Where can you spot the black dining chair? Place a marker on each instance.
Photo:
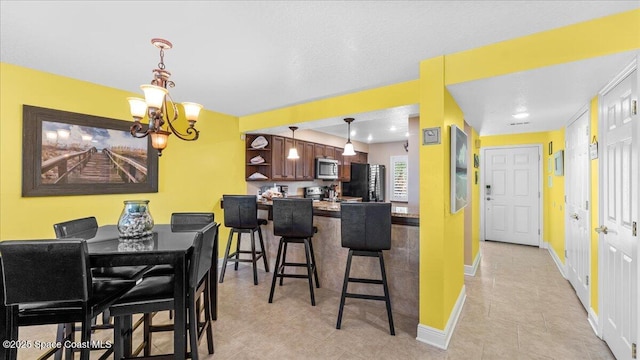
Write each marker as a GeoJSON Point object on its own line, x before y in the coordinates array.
{"type": "Point", "coordinates": [155, 293]}
{"type": "Point", "coordinates": [241, 215]}
{"type": "Point", "coordinates": [366, 231]}
{"type": "Point", "coordinates": [72, 227]}
{"type": "Point", "coordinates": [293, 222]}
{"type": "Point", "coordinates": [50, 282]}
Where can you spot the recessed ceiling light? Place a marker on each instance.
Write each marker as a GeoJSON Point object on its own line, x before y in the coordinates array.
{"type": "Point", "coordinates": [392, 128]}
{"type": "Point", "coordinates": [353, 133]}
{"type": "Point", "coordinates": [523, 115]}
{"type": "Point", "coordinates": [407, 134]}
{"type": "Point", "coordinates": [369, 138]}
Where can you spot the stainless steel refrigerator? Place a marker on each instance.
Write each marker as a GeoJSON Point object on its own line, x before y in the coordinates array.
{"type": "Point", "coordinates": [367, 182]}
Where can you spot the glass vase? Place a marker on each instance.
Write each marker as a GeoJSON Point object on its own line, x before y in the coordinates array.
{"type": "Point", "coordinates": [135, 220]}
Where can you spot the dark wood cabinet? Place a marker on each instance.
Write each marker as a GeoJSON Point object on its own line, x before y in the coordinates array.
{"type": "Point", "coordinates": [318, 150]}
{"type": "Point", "coordinates": [306, 164]}
{"type": "Point", "coordinates": [277, 167]}
{"type": "Point", "coordinates": [277, 158]}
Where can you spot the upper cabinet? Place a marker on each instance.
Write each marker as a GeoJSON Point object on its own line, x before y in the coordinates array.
{"type": "Point", "coordinates": [267, 159]}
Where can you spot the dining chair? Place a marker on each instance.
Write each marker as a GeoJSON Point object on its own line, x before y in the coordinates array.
{"type": "Point", "coordinates": [75, 226]}
{"type": "Point", "coordinates": [155, 293]}
{"type": "Point", "coordinates": [50, 282]}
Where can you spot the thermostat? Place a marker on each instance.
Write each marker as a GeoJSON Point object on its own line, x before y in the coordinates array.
{"type": "Point", "coordinates": [431, 136]}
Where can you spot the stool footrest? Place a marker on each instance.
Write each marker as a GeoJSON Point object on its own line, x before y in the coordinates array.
{"type": "Point", "coordinates": [367, 297]}
{"type": "Point", "coordinates": [366, 281]}
{"type": "Point", "coordinates": [297, 276]}
{"type": "Point", "coordinates": [295, 264]}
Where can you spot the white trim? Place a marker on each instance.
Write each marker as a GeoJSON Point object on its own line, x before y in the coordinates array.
{"type": "Point", "coordinates": [545, 244]}
{"type": "Point", "coordinates": [558, 262]}
{"type": "Point", "coordinates": [617, 79]}
{"type": "Point", "coordinates": [593, 321]}
{"type": "Point", "coordinates": [471, 269]}
{"type": "Point", "coordinates": [440, 338]}
{"type": "Point", "coordinates": [585, 110]}
{"type": "Point", "coordinates": [540, 187]}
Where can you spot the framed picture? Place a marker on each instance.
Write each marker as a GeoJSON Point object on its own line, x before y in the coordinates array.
{"type": "Point", "coordinates": [550, 147]}
{"type": "Point", "coordinates": [476, 177]}
{"type": "Point", "coordinates": [558, 161]}
{"type": "Point", "coordinates": [476, 161]}
{"type": "Point", "coordinates": [459, 160]}
{"type": "Point", "coordinates": [65, 153]}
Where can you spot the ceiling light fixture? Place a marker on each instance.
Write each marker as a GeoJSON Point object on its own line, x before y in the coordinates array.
{"type": "Point", "coordinates": [392, 128]}
{"type": "Point", "coordinates": [160, 108]}
{"type": "Point", "coordinates": [522, 115]}
{"type": "Point", "coordinates": [293, 152]}
{"type": "Point", "coordinates": [348, 147]}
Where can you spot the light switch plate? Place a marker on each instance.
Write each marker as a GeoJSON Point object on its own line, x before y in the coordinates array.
{"type": "Point", "coordinates": [431, 136]}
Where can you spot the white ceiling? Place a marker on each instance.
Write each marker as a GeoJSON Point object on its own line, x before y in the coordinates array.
{"type": "Point", "coordinates": [244, 57]}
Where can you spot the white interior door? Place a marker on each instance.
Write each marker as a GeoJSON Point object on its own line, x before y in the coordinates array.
{"type": "Point", "coordinates": [512, 195]}
{"type": "Point", "coordinates": [619, 209]}
{"type": "Point", "coordinates": [577, 188]}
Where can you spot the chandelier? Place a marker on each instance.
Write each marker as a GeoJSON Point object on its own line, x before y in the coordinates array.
{"type": "Point", "coordinates": [160, 108]}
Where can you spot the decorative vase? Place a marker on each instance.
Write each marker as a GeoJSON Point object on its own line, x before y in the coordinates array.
{"type": "Point", "coordinates": [135, 220]}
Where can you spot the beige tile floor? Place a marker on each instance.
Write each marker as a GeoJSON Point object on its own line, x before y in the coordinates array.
{"type": "Point", "coordinates": [518, 306]}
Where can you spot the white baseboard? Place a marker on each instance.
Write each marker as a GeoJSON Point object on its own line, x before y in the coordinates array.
{"type": "Point", "coordinates": [440, 338]}
{"type": "Point", "coordinates": [471, 269]}
{"type": "Point", "coordinates": [593, 321]}
{"type": "Point", "coordinates": [558, 262]}
{"type": "Point", "coordinates": [545, 244]}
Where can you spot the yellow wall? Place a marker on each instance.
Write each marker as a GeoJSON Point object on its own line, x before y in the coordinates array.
{"type": "Point", "coordinates": [384, 97]}
{"type": "Point", "coordinates": [555, 199]}
{"type": "Point", "coordinates": [598, 37]}
{"type": "Point", "coordinates": [192, 175]}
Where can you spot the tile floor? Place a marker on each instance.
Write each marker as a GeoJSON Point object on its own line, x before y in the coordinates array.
{"type": "Point", "coordinates": [518, 306]}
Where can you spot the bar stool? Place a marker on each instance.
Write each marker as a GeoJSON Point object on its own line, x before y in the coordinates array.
{"type": "Point", "coordinates": [366, 231]}
{"type": "Point", "coordinates": [241, 215]}
{"type": "Point", "coordinates": [293, 221]}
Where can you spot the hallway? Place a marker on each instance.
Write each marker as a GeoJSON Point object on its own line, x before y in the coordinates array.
{"type": "Point", "coordinates": [518, 306]}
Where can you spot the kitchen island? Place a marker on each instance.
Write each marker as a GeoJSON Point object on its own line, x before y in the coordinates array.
{"type": "Point", "coordinates": [401, 261]}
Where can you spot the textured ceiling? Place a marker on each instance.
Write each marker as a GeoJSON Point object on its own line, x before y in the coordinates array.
{"type": "Point", "coordinates": [244, 57]}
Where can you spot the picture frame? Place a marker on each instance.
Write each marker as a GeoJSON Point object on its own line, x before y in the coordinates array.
{"type": "Point", "coordinates": [558, 161]}
{"type": "Point", "coordinates": [476, 178]}
{"type": "Point", "coordinates": [550, 147]}
{"type": "Point", "coordinates": [67, 153]}
{"type": "Point", "coordinates": [476, 161]}
{"type": "Point", "coordinates": [459, 166]}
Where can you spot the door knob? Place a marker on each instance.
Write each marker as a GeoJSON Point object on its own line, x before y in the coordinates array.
{"type": "Point", "coordinates": [575, 216]}
{"type": "Point", "coordinates": [602, 229]}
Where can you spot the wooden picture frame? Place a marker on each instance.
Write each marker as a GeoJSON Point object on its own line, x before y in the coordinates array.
{"type": "Point", "coordinates": [550, 147]}
{"type": "Point", "coordinates": [66, 153]}
{"type": "Point", "coordinates": [476, 161]}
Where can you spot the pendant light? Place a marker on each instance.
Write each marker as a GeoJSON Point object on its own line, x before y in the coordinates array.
{"type": "Point", "coordinates": [293, 152]}
{"type": "Point", "coordinates": [348, 147]}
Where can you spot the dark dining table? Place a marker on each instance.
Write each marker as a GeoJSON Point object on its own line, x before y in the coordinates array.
{"type": "Point", "coordinates": [168, 244]}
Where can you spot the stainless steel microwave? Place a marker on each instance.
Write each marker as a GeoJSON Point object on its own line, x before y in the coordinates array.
{"type": "Point", "coordinates": [326, 169]}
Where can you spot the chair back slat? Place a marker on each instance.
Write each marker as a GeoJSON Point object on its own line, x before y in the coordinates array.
{"type": "Point", "coordinates": [45, 270]}
{"type": "Point", "coordinates": [192, 218]}
{"type": "Point", "coordinates": [366, 226]}
{"type": "Point", "coordinates": [240, 211]}
{"type": "Point", "coordinates": [71, 227]}
{"type": "Point", "coordinates": [293, 218]}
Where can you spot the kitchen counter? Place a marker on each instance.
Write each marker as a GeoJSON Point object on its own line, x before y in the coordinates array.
{"type": "Point", "coordinates": [401, 215]}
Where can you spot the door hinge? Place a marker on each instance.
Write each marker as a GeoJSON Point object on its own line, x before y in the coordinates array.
{"type": "Point", "coordinates": [538, 231]}
{"type": "Point", "coordinates": [633, 351]}
{"type": "Point", "coordinates": [586, 205]}
{"type": "Point", "coordinates": [565, 199]}
{"type": "Point", "coordinates": [587, 278]}
{"type": "Point", "coordinates": [634, 228]}
{"type": "Point", "coordinates": [634, 107]}
{"type": "Point", "coordinates": [565, 254]}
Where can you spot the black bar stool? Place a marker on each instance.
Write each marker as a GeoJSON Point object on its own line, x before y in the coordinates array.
{"type": "Point", "coordinates": [293, 221]}
{"type": "Point", "coordinates": [241, 215]}
{"type": "Point", "coordinates": [366, 231]}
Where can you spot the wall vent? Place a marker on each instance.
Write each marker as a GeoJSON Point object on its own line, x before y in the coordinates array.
{"type": "Point", "coordinates": [519, 123]}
